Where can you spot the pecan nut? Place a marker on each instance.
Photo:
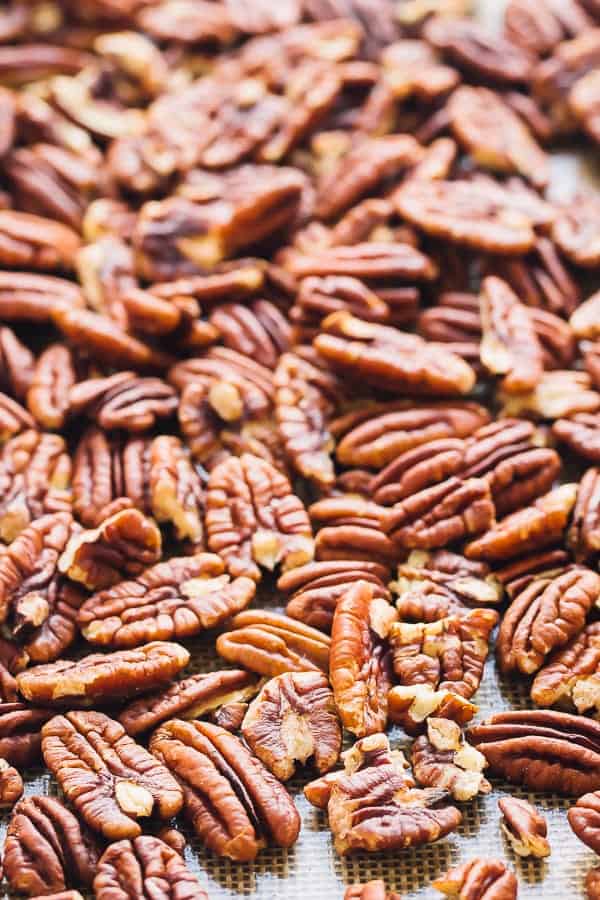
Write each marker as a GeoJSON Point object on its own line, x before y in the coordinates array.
{"type": "Point", "coordinates": [124, 401]}
{"type": "Point", "coordinates": [110, 780]}
{"type": "Point", "coordinates": [35, 242]}
{"type": "Point", "coordinates": [572, 674]}
{"type": "Point", "coordinates": [293, 718]}
{"type": "Point", "coordinates": [576, 232]}
{"type": "Point", "coordinates": [583, 537]}
{"type": "Point", "coordinates": [581, 433]}
{"type": "Point", "coordinates": [524, 826]}
{"type": "Point", "coordinates": [592, 884]}
{"type": "Point", "coordinates": [443, 759]}
{"type": "Point", "coordinates": [176, 491]}
{"type": "Point", "coordinates": [52, 379]}
{"type": "Point", "coordinates": [479, 879]}
{"type": "Point", "coordinates": [470, 47]}
{"type": "Point", "coordinates": [232, 801]}
{"type": "Point", "coordinates": [17, 365]}
{"type": "Point", "coordinates": [20, 739]}
{"type": "Point", "coordinates": [372, 890]}
{"type": "Point", "coordinates": [145, 862]}
{"type": "Point", "coordinates": [11, 785]}
{"type": "Point", "coordinates": [353, 530]}
{"type": "Point", "coordinates": [584, 819]}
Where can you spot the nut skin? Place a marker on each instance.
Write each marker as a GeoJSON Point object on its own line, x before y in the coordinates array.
{"type": "Point", "coordinates": [571, 677]}
{"type": "Point", "coordinates": [584, 819]}
{"type": "Point", "coordinates": [102, 678]}
{"type": "Point", "coordinates": [124, 401]}
{"type": "Point", "coordinates": [543, 750]}
{"type": "Point", "coordinates": [359, 662]}
{"type": "Point", "coordinates": [110, 780]}
{"type": "Point", "coordinates": [293, 718]}
{"type": "Point", "coordinates": [145, 862]}
{"type": "Point", "coordinates": [231, 800]}
{"type": "Point", "coordinates": [253, 518]}
{"type": "Point", "coordinates": [372, 890]}
{"type": "Point", "coordinates": [443, 759]}
{"type": "Point", "coordinates": [11, 785]}
{"type": "Point", "coordinates": [479, 879]}
{"type": "Point", "coordinates": [524, 826]}
{"type": "Point", "coordinates": [174, 599]}
{"type": "Point", "coordinates": [271, 644]}
{"type": "Point", "coordinates": [47, 849]}
{"type": "Point", "coordinates": [544, 616]}
{"type": "Point", "coordinates": [20, 739]}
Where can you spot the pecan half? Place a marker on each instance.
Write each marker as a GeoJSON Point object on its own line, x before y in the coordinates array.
{"type": "Point", "coordinates": [110, 780]}
{"type": "Point", "coordinates": [443, 759]}
{"type": "Point", "coordinates": [271, 644]}
{"type": "Point", "coordinates": [479, 879]}
{"type": "Point", "coordinates": [174, 599]}
{"type": "Point", "coordinates": [576, 231]}
{"type": "Point", "coordinates": [189, 699]}
{"type": "Point", "coordinates": [470, 47]}
{"type": "Point", "coordinates": [103, 677]}
{"type": "Point", "coordinates": [109, 474]}
{"type": "Point", "coordinates": [176, 491]}
{"type": "Point", "coordinates": [571, 677]}
{"type": "Point", "coordinates": [11, 785]}
{"type": "Point", "coordinates": [20, 739]}
{"type": "Point", "coordinates": [583, 537]}
{"type": "Point", "coordinates": [524, 826]}
{"type": "Point", "coordinates": [123, 401]}
{"type": "Point", "coordinates": [232, 801]}
{"type": "Point", "coordinates": [259, 331]}
{"type": "Point", "coordinates": [367, 260]}
{"type": "Point", "coordinates": [353, 530]}
{"type": "Point", "coordinates": [580, 433]}
{"type": "Point", "coordinates": [35, 242]}
{"type": "Point", "coordinates": [584, 819]}
{"type": "Point", "coordinates": [124, 544]}
{"type": "Point", "coordinates": [35, 298]}
{"type": "Point", "coordinates": [253, 518]}
{"type": "Point", "coordinates": [541, 278]}
{"type": "Point", "coordinates": [544, 750]}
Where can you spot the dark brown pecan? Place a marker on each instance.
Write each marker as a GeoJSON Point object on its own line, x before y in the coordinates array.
{"type": "Point", "coordinates": [524, 826]}
{"type": "Point", "coordinates": [571, 677]}
{"type": "Point", "coordinates": [47, 849]}
{"type": "Point", "coordinates": [124, 544]}
{"type": "Point", "coordinates": [17, 364]}
{"type": "Point", "coordinates": [583, 537]}
{"type": "Point", "coordinates": [109, 474]}
{"type": "Point", "coordinates": [584, 819]}
{"type": "Point", "coordinates": [537, 526]}
{"type": "Point", "coordinates": [34, 298]}
{"type": "Point", "coordinates": [52, 379]}
{"type": "Point", "coordinates": [293, 718]}
{"type": "Point", "coordinates": [11, 785]}
{"type": "Point", "coordinates": [371, 890]}
{"type": "Point", "coordinates": [576, 231]}
{"type": "Point", "coordinates": [271, 644]}
{"type": "Point", "coordinates": [379, 433]}
{"type": "Point", "coordinates": [253, 518]}
{"type": "Point", "coordinates": [544, 750]}
{"type": "Point", "coordinates": [479, 214]}
{"type": "Point", "coordinates": [174, 599]}
{"type": "Point", "coordinates": [258, 331]}
{"type": "Point", "coordinates": [102, 677]}
{"type": "Point", "coordinates": [123, 401]}
{"type": "Point", "coordinates": [391, 359]}
{"type": "Point", "coordinates": [110, 780]}
{"type": "Point", "coordinates": [541, 278]}
{"type": "Point", "coordinates": [35, 242]}
{"type": "Point", "coordinates": [479, 879]}
{"type": "Point", "coordinates": [470, 47]}
{"type": "Point", "coordinates": [495, 136]}
{"type": "Point", "coordinates": [545, 615]}
{"type": "Point", "coordinates": [316, 588]}
{"type": "Point", "coordinates": [366, 260]}
{"type": "Point", "coordinates": [443, 759]}
{"type": "Point", "coordinates": [188, 699]}
{"type": "Point", "coordinates": [232, 801]}
{"type": "Point", "coordinates": [359, 664]}
{"type": "Point", "coordinates": [145, 863]}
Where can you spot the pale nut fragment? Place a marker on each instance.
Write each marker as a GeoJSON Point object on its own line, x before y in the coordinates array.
{"type": "Point", "coordinates": [479, 879]}
{"type": "Point", "coordinates": [372, 890]}
{"type": "Point", "coordinates": [556, 395]}
{"type": "Point", "coordinates": [524, 826]}
{"type": "Point", "coordinates": [443, 759]}
{"type": "Point", "coordinates": [411, 705]}
{"type": "Point", "coordinates": [11, 785]}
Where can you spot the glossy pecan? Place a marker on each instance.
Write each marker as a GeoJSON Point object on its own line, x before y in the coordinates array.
{"type": "Point", "coordinates": [259, 331]}
{"type": "Point", "coordinates": [544, 616]}
{"type": "Point", "coordinates": [145, 862]}
{"type": "Point", "coordinates": [316, 588]}
{"type": "Point", "coordinates": [556, 395]}
{"type": "Point", "coordinates": [524, 826]}
{"type": "Point", "coordinates": [584, 819]}
{"type": "Point", "coordinates": [293, 718]}
{"type": "Point", "coordinates": [351, 528]}
{"type": "Point", "coordinates": [479, 879]}
{"type": "Point", "coordinates": [188, 699]}
{"type": "Point", "coordinates": [17, 364]}
{"type": "Point", "coordinates": [271, 644]}
{"type": "Point", "coordinates": [443, 759]}
{"type": "Point", "coordinates": [583, 536]}
{"type": "Point", "coordinates": [390, 359]}
{"type": "Point", "coordinates": [231, 800]}
{"type": "Point", "coordinates": [103, 677]}
{"type": "Point", "coordinates": [317, 298]}
{"type": "Point", "coordinates": [124, 544]}
{"type": "Point", "coordinates": [174, 599]}
{"type": "Point", "coordinates": [35, 471]}
{"type": "Point", "coordinates": [254, 519]}
{"type": "Point", "coordinates": [47, 849]}
{"type": "Point", "coordinates": [580, 433]}
{"type": "Point", "coordinates": [123, 401]}
{"type": "Point", "coordinates": [48, 394]}
{"type": "Point", "coordinates": [35, 242]}
{"type": "Point", "coordinates": [110, 780]}
{"type": "Point", "coordinates": [537, 526]}
{"type": "Point", "coordinates": [576, 232]}
{"type": "Point", "coordinates": [544, 750]}
{"type": "Point", "coordinates": [571, 677]}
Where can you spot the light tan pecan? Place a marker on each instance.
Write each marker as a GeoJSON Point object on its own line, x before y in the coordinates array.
{"type": "Point", "coordinates": [524, 826]}
{"type": "Point", "coordinates": [232, 801]}
{"type": "Point", "coordinates": [571, 677]}
{"type": "Point", "coordinates": [443, 759]}
{"type": "Point", "coordinates": [479, 879]}
{"type": "Point", "coordinates": [353, 529]}
{"type": "Point", "coordinates": [592, 884]}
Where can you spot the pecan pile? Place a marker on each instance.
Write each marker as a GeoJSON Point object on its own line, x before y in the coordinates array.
{"type": "Point", "coordinates": [299, 372]}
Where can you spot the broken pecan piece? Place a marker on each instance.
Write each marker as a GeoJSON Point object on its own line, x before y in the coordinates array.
{"type": "Point", "coordinates": [584, 819]}
{"type": "Point", "coordinates": [253, 518]}
{"type": "Point", "coordinates": [470, 47]}
{"type": "Point", "coordinates": [52, 379]}
{"type": "Point", "coordinates": [123, 401]}
{"type": "Point", "coordinates": [557, 394]}
{"type": "Point", "coordinates": [294, 717]}
{"type": "Point", "coordinates": [148, 863]}
{"type": "Point", "coordinates": [524, 826]}
{"type": "Point", "coordinates": [271, 644]}
{"type": "Point", "coordinates": [443, 759]}
{"type": "Point", "coordinates": [232, 801]}
{"type": "Point", "coordinates": [580, 433]}
{"type": "Point", "coordinates": [371, 890]}
{"type": "Point", "coordinates": [47, 849]}
{"type": "Point", "coordinates": [11, 785]}
{"type": "Point", "coordinates": [576, 230]}
{"type": "Point", "coordinates": [479, 879]}
{"type": "Point", "coordinates": [176, 491]}
{"type": "Point", "coordinates": [544, 750]}
{"type": "Point", "coordinates": [571, 677]}
{"type": "Point", "coordinates": [103, 677]}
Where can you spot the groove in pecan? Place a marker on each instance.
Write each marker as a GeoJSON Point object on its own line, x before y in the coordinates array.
{"type": "Point", "coordinates": [524, 826]}
{"type": "Point", "coordinates": [479, 879]}
{"type": "Point", "coordinates": [443, 759]}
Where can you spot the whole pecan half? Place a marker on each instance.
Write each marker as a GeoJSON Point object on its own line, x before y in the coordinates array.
{"type": "Point", "coordinates": [253, 518]}
{"type": "Point", "coordinates": [124, 544]}
{"type": "Point", "coordinates": [443, 759]}
{"type": "Point", "coordinates": [541, 278]}
{"type": "Point", "coordinates": [189, 699]}
{"type": "Point", "coordinates": [103, 677]}
{"type": "Point", "coordinates": [583, 537]}
{"type": "Point", "coordinates": [584, 819]}
{"type": "Point", "coordinates": [110, 780]}
{"type": "Point", "coordinates": [576, 231]}
{"type": "Point", "coordinates": [124, 401]}
{"type": "Point", "coordinates": [11, 785]}
{"type": "Point", "coordinates": [524, 826]}
{"type": "Point", "coordinates": [109, 474]}
{"type": "Point", "coordinates": [271, 644]}
{"type": "Point", "coordinates": [20, 739]}
{"type": "Point", "coordinates": [52, 379]}
{"type": "Point", "coordinates": [232, 801]}
{"type": "Point", "coordinates": [35, 242]}
{"type": "Point", "coordinates": [294, 717]}
{"type": "Point", "coordinates": [259, 331]}
{"type": "Point", "coordinates": [479, 879]}
{"type": "Point", "coordinates": [543, 750]}
{"type": "Point", "coordinates": [371, 890]}
{"type": "Point", "coordinates": [581, 433]}
{"type": "Point", "coordinates": [176, 491]}
{"type": "Point", "coordinates": [359, 662]}
{"type": "Point", "coordinates": [368, 260]}
{"type": "Point", "coordinates": [174, 599]}
{"type": "Point", "coordinates": [473, 49]}
{"type": "Point", "coordinates": [47, 849]}
{"type": "Point", "coordinates": [572, 674]}
{"type": "Point", "coordinates": [17, 364]}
